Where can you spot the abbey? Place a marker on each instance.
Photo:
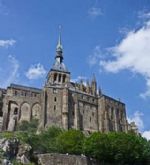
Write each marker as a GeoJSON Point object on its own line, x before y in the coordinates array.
{"type": "Point", "coordinates": [62, 103]}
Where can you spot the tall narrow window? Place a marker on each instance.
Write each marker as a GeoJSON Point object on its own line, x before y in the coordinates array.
{"type": "Point", "coordinates": [54, 108]}
{"type": "Point", "coordinates": [16, 92]}
{"type": "Point", "coordinates": [64, 78]}
{"type": "Point", "coordinates": [55, 77]}
{"type": "Point", "coordinates": [15, 111]}
{"type": "Point", "coordinates": [59, 77]}
{"type": "Point", "coordinates": [90, 119]}
{"type": "Point", "coordinates": [55, 99]}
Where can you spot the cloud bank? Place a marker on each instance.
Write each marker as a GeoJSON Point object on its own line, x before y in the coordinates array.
{"type": "Point", "coordinates": [132, 54]}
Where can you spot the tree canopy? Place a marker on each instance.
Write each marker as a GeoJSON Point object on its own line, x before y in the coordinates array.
{"type": "Point", "coordinates": [114, 147]}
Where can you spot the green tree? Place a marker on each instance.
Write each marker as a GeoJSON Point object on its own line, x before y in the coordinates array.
{"type": "Point", "coordinates": [27, 126]}
{"type": "Point", "coordinates": [97, 145]}
{"type": "Point", "coordinates": [70, 142]}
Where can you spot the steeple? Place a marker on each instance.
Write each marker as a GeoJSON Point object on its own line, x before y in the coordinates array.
{"type": "Point", "coordinates": [58, 74]}
{"type": "Point", "coordinates": [58, 64]}
{"type": "Point", "coordinates": [59, 48]}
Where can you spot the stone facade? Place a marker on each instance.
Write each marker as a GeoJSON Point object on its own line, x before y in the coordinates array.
{"type": "Point", "coordinates": [62, 103]}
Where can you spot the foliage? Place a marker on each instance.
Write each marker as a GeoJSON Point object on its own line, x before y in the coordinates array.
{"type": "Point", "coordinates": [7, 135]}
{"type": "Point", "coordinates": [97, 146]}
{"type": "Point", "coordinates": [118, 148]}
{"type": "Point", "coordinates": [45, 141]}
{"type": "Point", "coordinates": [70, 142]}
{"type": "Point", "coordinates": [28, 126]}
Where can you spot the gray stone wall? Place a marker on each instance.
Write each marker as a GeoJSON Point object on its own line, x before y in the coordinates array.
{"type": "Point", "coordinates": [53, 106]}
{"type": "Point", "coordinates": [20, 104]}
{"type": "Point", "coordinates": [112, 115]}
{"type": "Point", "coordinates": [62, 159]}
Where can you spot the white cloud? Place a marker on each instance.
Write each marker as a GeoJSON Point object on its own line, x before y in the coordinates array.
{"type": "Point", "coordinates": [137, 118]}
{"type": "Point", "coordinates": [146, 134]}
{"type": "Point", "coordinates": [95, 56]}
{"type": "Point", "coordinates": [133, 54]}
{"type": "Point", "coordinates": [144, 14]}
{"type": "Point", "coordinates": [35, 72]}
{"type": "Point", "coordinates": [95, 12]}
{"type": "Point", "coordinates": [7, 43]}
{"type": "Point", "coordinates": [10, 74]}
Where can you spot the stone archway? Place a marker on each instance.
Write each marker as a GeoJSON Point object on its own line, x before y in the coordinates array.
{"type": "Point", "coordinates": [25, 112]}
{"type": "Point", "coordinates": [36, 111]}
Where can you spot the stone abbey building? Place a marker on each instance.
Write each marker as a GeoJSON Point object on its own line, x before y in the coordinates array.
{"type": "Point", "coordinates": [62, 103]}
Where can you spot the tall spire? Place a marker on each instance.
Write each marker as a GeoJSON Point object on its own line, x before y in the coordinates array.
{"type": "Point", "coordinates": [59, 47]}
{"type": "Point", "coordinates": [58, 64]}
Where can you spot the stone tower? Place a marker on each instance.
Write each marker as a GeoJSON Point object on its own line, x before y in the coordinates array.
{"type": "Point", "coordinates": [55, 92]}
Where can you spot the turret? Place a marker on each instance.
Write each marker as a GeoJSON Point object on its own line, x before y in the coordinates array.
{"type": "Point", "coordinates": [94, 85]}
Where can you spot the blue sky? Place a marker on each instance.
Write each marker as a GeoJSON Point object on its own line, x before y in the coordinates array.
{"type": "Point", "coordinates": [106, 37]}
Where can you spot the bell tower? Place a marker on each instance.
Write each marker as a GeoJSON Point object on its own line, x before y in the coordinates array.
{"type": "Point", "coordinates": [58, 74]}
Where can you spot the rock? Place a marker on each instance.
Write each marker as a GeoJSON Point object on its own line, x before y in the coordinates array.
{"type": "Point", "coordinates": [13, 149]}
{"type": "Point", "coordinates": [23, 155]}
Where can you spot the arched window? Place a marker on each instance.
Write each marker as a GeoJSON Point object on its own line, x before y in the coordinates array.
{"type": "Point", "coordinates": [55, 77]}
{"type": "Point", "coordinates": [16, 111]}
{"type": "Point", "coordinates": [59, 78]}
{"type": "Point", "coordinates": [64, 78]}
{"type": "Point", "coordinates": [55, 99]}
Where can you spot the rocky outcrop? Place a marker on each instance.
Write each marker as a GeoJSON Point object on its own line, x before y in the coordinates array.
{"type": "Point", "coordinates": [13, 149]}
{"type": "Point", "coordinates": [64, 159]}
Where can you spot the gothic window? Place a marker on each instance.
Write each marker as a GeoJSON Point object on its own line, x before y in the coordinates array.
{"type": "Point", "coordinates": [54, 107]}
{"type": "Point", "coordinates": [36, 111]}
{"type": "Point", "coordinates": [55, 99]}
{"type": "Point", "coordinates": [16, 92]}
{"type": "Point", "coordinates": [25, 112]}
{"type": "Point", "coordinates": [90, 119]}
{"type": "Point", "coordinates": [55, 77]}
{"type": "Point", "coordinates": [93, 114]}
{"type": "Point", "coordinates": [117, 113]}
{"type": "Point", "coordinates": [59, 78]}
{"type": "Point", "coordinates": [112, 112]}
{"type": "Point", "coordinates": [64, 78]}
{"type": "Point", "coordinates": [1, 113]}
{"type": "Point", "coordinates": [15, 111]}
